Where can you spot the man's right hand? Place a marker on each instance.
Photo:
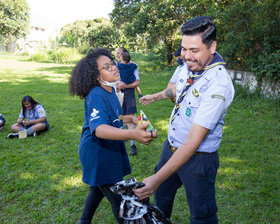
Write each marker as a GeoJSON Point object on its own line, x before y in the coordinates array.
{"type": "Point", "coordinates": [145, 100]}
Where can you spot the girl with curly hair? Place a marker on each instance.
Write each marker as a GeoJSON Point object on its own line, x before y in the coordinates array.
{"type": "Point", "coordinates": [102, 150]}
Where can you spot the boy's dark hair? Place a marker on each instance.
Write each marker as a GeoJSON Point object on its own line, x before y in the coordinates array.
{"type": "Point", "coordinates": [201, 25]}
{"type": "Point", "coordinates": [126, 57]}
{"type": "Point", "coordinates": [29, 99]}
{"type": "Point", "coordinates": [85, 74]}
{"type": "Point", "coordinates": [123, 49]}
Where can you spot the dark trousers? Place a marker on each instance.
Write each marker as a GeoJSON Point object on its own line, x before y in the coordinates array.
{"type": "Point", "coordinates": [198, 176]}
{"type": "Point", "coordinates": [95, 196]}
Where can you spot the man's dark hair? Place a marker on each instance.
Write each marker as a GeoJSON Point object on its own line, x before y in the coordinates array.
{"type": "Point", "coordinates": [201, 25]}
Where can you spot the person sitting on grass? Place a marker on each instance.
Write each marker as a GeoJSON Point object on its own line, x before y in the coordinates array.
{"type": "Point", "coordinates": [2, 122]}
{"type": "Point", "coordinates": [32, 118]}
{"type": "Point", "coordinates": [102, 148]}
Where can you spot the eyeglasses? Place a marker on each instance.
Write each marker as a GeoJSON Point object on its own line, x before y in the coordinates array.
{"type": "Point", "coordinates": [109, 66]}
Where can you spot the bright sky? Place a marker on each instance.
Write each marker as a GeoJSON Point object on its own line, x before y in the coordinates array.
{"type": "Point", "coordinates": [54, 14]}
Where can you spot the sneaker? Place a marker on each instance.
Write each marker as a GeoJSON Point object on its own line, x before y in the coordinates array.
{"type": "Point", "coordinates": [133, 150]}
{"type": "Point", "coordinates": [13, 135]}
{"type": "Point", "coordinates": [35, 134]}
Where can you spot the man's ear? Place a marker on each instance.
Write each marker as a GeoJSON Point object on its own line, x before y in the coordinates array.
{"type": "Point", "coordinates": [213, 47]}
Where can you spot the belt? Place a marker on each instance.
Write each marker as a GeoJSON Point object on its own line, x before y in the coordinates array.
{"type": "Point", "coordinates": [173, 149]}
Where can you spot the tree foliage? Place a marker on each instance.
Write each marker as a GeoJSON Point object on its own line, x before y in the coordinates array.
{"type": "Point", "coordinates": [158, 22]}
{"type": "Point", "coordinates": [248, 31]}
{"type": "Point", "coordinates": [95, 33]}
{"type": "Point", "coordinates": [14, 20]}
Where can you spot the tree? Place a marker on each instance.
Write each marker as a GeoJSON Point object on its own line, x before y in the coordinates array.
{"type": "Point", "coordinates": [158, 22]}
{"type": "Point", "coordinates": [14, 20]}
{"type": "Point", "coordinates": [95, 33]}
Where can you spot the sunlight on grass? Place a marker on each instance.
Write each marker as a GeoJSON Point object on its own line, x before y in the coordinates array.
{"type": "Point", "coordinates": [162, 124]}
{"type": "Point", "coordinates": [27, 176]}
{"type": "Point", "coordinates": [73, 181]}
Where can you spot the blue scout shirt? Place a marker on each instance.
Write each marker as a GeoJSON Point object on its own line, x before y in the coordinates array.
{"type": "Point", "coordinates": [37, 112]}
{"type": "Point", "coordinates": [205, 104]}
{"type": "Point", "coordinates": [127, 72]}
{"type": "Point", "coordinates": [103, 161]}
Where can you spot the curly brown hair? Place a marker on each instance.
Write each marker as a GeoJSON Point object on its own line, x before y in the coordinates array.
{"type": "Point", "coordinates": [85, 74]}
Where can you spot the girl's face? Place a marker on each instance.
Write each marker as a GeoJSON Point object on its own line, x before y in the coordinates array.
{"type": "Point", "coordinates": [119, 54]}
{"type": "Point", "coordinates": [107, 69]}
{"type": "Point", "coordinates": [27, 105]}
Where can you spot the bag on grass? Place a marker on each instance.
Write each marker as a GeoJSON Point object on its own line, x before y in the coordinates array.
{"type": "Point", "coordinates": [134, 211]}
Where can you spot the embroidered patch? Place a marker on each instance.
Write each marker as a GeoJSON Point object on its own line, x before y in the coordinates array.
{"type": "Point", "coordinates": [195, 93]}
{"type": "Point", "coordinates": [218, 97]}
{"type": "Point", "coordinates": [120, 117]}
{"type": "Point", "coordinates": [94, 114]}
{"type": "Point", "coordinates": [188, 112]}
{"type": "Point", "coordinates": [204, 87]}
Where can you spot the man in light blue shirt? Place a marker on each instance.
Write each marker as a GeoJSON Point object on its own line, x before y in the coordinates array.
{"type": "Point", "coordinates": [189, 156]}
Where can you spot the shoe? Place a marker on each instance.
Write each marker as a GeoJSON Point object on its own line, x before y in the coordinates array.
{"type": "Point", "coordinates": [35, 134]}
{"type": "Point", "coordinates": [140, 95]}
{"type": "Point", "coordinates": [13, 135]}
{"type": "Point", "coordinates": [133, 150]}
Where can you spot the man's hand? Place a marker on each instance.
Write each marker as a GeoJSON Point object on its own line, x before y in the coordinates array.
{"type": "Point", "coordinates": [145, 100]}
{"type": "Point", "coordinates": [151, 184]}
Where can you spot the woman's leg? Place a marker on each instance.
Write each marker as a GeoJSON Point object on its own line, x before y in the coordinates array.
{"type": "Point", "coordinates": [94, 198]}
{"type": "Point", "coordinates": [114, 199]}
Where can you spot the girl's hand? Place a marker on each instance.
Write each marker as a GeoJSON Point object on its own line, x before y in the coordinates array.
{"type": "Point", "coordinates": [25, 123]}
{"type": "Point", "coordinates": [20, 121]}
{"type": "Point", "coordinates": [144, 137]}
{"type": "Point", "coordinates": [120, 85]}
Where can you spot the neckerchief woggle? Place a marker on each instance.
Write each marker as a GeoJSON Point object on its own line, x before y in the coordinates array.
{"type": "Point", "coordinates": [217, 60]}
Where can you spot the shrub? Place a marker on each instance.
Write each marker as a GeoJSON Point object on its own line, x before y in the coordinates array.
{"type": "Point", "coordinates": [39, 56]}
{"type": "Point", "coordinates": [64, 55]}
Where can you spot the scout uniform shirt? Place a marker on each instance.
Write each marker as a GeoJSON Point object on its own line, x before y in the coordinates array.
{"type": "Point", "coordinates": [205, 104]}
{"type": "Point", "coordinates": [180, 78]}
{"type": "Point", "coordinates": [104, 161]}
{"type": "Point", "coordinates": [37, 112]}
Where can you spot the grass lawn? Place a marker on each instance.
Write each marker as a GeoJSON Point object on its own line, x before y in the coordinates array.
{"type": "Point", "coordinates": [40, 178]}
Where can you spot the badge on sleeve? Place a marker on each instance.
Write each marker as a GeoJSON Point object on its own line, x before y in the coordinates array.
{"type": "Point", "coordinates": [94, 114]}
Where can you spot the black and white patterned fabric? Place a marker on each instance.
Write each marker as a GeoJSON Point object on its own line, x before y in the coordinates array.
{"type": "Point", "coordinates": [134, 211]}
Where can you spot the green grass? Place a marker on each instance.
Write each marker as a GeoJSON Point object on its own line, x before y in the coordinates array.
{"type": "Point", "coordinates": [40, 178]}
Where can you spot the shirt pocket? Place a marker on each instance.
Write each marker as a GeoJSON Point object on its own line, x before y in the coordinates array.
{"type": "Point", "coordinates": [191, 105]}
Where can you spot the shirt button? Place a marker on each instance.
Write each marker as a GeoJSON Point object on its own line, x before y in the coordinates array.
{"type": "Point", "coordinates": [173, 129]}
{"type": "Point", "coordinates": [172, 142]}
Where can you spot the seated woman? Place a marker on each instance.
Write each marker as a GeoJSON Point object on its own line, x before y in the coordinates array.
{"type": "Point", "coordinates": [2, 122]}
{"type": "Point", "coordinates": [32, 118]}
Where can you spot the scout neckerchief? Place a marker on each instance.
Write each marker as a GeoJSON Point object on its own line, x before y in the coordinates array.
{"type": "Point", "coordinates": [217, 60]}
